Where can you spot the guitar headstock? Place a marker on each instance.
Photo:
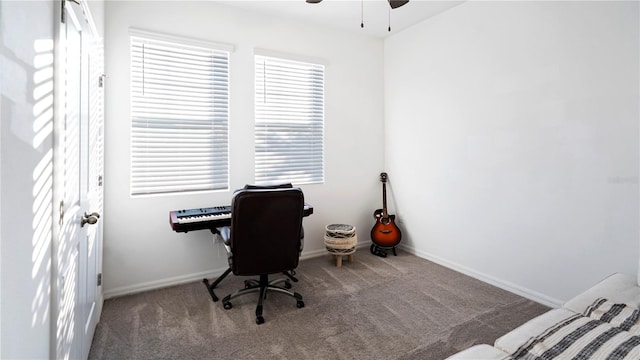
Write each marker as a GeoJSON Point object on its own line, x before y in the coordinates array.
{"type": "Point", "coordinates": [383, 177]}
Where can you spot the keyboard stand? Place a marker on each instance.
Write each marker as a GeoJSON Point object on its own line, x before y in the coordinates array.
{"type": "Point", "coordinates": [291, 275]}
{"type": "Point", "coordinates": [212, 286]}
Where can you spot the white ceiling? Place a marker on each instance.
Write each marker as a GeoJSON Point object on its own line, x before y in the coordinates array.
{"type": "Point", "coordinates": [346, 14]}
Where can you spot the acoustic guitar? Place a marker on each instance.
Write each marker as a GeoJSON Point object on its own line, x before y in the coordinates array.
{"type": "Point", "coordinates": [385, 233]}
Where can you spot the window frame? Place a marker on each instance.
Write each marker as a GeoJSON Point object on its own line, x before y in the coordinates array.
{"type": "Point", "coordinates": [213, 111]}
{"type": "Point", "coordinates": [304, 107]}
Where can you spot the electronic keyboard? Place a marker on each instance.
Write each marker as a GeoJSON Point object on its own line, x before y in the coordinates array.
{"type": "Point", "coordinates": [208, 218]}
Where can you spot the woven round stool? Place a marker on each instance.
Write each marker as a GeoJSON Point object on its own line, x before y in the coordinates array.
{"type": "Point", "coordinates": [340, 240]}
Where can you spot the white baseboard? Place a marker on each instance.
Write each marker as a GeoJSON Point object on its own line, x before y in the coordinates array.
{"type": "Point", "coordinates": [178, 280]}
{"type": "Point", "coordinates": [312, 254]}
{"type": "Point", "coordinates": [162, 283]}
{"type": "Point", "coordinates": [505, 285]}
{"type": "Point", "coordinates": [316, 253]}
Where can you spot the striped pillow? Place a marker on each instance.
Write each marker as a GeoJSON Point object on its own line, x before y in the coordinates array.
{"type": "Point", "coordinates": [622, 316]}
{"type": "Point", "coordinates": [580, 337]}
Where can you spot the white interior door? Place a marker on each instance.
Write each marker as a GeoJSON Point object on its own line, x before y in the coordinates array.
{"type": "Point", "coordinates": [94, 162]}
{"type": "Point", "coordinates": [79, 158]}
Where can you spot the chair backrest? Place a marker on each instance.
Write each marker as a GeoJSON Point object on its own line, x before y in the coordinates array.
{"type": "Point", "coordinates": [265, 230]}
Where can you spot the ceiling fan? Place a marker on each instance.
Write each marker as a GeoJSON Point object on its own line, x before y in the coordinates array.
{"type": "Point", "coordinates": [393, 3]}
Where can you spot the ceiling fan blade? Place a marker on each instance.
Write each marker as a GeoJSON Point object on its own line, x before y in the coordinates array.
{"type": "Point", "coordinates": [313, 1]}
{"type": "Point", "coordinates": [397, 3]}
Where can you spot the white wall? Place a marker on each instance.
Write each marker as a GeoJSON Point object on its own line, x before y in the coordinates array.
{"type": "Point", "coordinates": [512, 139]}
{"type": "Point", "coordinates": [26, 89]}
{"type": "Point", "coordinates": [96, 9]}
{"type": "Point", "coordinates": [140, 250]}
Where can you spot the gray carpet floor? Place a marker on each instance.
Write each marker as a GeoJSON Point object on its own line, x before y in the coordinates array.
{"type": "Point", "coordinates": [399, 307]}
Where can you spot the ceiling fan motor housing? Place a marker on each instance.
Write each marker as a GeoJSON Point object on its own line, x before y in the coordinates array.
{"type": "Point", "coordinates": [397, 3]}
{"type": "Point", "coordinates": [393, 3]}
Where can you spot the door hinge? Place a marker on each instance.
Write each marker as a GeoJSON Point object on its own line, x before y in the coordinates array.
{"type": "Point", "coordinates": [103, 78]}
{"type": "Point", "coordinates": [63, 3]}
{"type": "Point", "coordinates": [100, 180]}
{"type": "Point", "coordinates": [100, 279]}
{"type": "Point", "coordinates": [61, 219]}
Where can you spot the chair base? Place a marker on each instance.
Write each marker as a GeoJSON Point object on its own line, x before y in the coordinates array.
{"type": "Point", "coordinates": [262, 286]}
{"type": "Point", "coordinates": [290, 274]}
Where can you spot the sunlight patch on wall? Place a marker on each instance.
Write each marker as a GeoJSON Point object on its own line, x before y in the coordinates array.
{"type": "Point", "coordinates": [43, 91]}
{"type": "Point", "coordinates": [42, 179]}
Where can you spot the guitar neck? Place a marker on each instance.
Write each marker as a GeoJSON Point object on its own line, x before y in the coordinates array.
{"type": "Point", "coordinates": [384, 201]}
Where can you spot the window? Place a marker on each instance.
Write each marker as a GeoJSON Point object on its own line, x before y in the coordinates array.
{"type": "Point", "coordinates": [179, 115]}
{"type": "Point", "coordinates": [289, 121]}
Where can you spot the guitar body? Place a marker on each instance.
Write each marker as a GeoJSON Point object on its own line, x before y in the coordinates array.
{"type": "Point", "coordinates": [385, 232]}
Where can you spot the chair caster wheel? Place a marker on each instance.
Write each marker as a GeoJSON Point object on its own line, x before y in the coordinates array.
{"type": "Point", "coordinates": [287, 285]}
{"type": "Point", "coordinates": [259, 320]}
{"type": "Point", "coordinates": [227, 305]}
{"type": "Point", "coordinates": [300, 304]}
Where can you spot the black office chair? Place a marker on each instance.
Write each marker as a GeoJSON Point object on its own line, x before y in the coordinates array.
{"type": "Point", "coordinates": [265, 238]}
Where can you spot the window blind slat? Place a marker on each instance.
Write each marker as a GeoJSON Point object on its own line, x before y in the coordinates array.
{"type": "Point", "coordinates": [179, 117]}
{"type": "Point", "coordinates": [289, 115]}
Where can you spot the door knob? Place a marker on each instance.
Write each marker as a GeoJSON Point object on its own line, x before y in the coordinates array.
{"type": "Point", "coordinates": [89, 219]}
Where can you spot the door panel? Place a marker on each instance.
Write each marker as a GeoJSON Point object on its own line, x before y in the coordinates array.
{"type": "Point", "coordinates": [79, 155]}
{"type": "Point", "coordinates": [95, 161]}
{"type": "Point", "coordinates": [69, 342]}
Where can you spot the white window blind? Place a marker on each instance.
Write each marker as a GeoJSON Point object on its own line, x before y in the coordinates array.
{"type": "Point", "coordinates": [179, 117]}
{"type": "Point", "coordinates": [289, 121]}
